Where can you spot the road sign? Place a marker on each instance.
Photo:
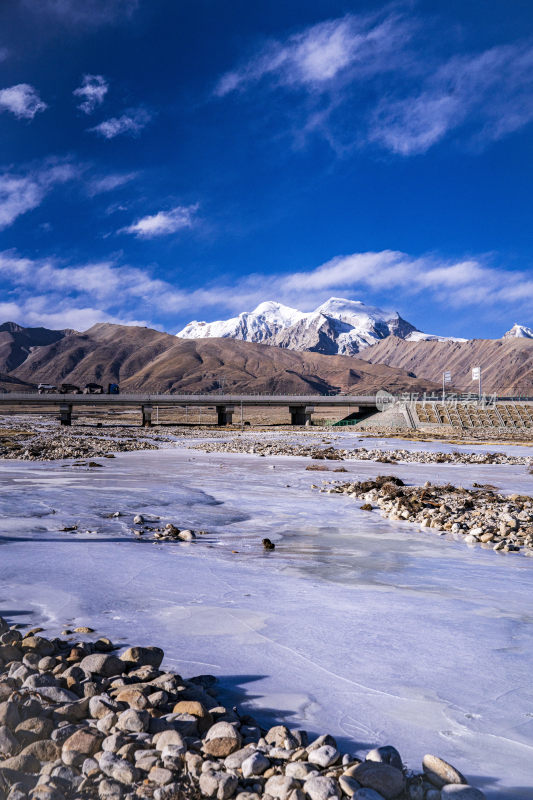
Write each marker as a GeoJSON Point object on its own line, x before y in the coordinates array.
{"type": "Point", "coordinates": [476, 373]}
{"type": "Point", "coordinates": [447, 377]}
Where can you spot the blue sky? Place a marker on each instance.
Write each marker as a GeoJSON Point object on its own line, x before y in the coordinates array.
{"type": "Point", "coordinates": [163, 161]}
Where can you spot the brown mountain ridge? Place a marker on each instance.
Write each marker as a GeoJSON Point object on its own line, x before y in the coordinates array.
{"type": "Point", "coordinates": [142, 359]}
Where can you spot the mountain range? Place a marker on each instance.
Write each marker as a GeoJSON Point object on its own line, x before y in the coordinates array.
{"type": "Point", "coordinates": [142, 359]}
{"type": "Point", "coordinates": [343, 345]}
{"type": "Point", "coordinates": [338, 326]}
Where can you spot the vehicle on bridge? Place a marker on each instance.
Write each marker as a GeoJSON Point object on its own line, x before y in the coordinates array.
{"type": "Point", "coordinates": [69, 388]}
{"type": "Point", "coordinates": [46, 388]}
{"type": "Point", "coordinates": [113, 388]}
{"type": "Point", "coordinates": [93, 388]}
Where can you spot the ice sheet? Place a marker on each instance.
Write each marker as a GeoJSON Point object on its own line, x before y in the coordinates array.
{"type": "Point", "coordinates": [372, 630]}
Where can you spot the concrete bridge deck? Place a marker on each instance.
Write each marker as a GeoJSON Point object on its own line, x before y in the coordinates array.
{"type": "Point", "coordinates": [300, 407]}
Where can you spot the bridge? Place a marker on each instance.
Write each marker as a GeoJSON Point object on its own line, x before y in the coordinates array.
{"type": "Point", "coordinates": [301, 407]}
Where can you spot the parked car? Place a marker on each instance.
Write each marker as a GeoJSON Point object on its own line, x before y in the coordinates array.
{"type": "Point", "coordinates": [46, 388]}
{"type": "Point", "coordinates": [113, 388]}
{"type": "Point", "coordinates": [93, 388]}
{"type": "Point", "coordinates": [69, 388]}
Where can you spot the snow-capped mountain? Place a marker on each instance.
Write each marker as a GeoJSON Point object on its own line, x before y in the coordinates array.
{"type": "Point", "coordinates": [519, 331]}
{"type": "Point", "coordinates": [337, 326]}
{"type": "Point", "coordinates": [418, 336]}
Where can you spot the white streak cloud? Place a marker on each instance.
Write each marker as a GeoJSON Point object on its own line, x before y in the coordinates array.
{"type": "Point", "coordinates": [108, 183]}
{"type": "Point", "coordinates": [164, 222]}
{"type": "Point", "coordinates": [92, 92]}
{"type": "Point", "coordinates": [20, 193]}
{"type": "Point", "coordinates": [21, 100]}
{"type": "Point", "coordinates": [131, 123]}
{"type": "Point", "coordinates": [367, 80]}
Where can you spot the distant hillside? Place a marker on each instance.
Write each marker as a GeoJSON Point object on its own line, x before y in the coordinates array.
{"type": "Point", "coordinates": [145, 359]}
{"type": "Point", "coordinates": [507, 364]}
{"type": "Point", "coordinates": [16, 343]}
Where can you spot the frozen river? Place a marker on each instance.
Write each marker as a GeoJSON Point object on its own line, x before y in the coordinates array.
{"type": "Point", "coordinates": [372, 630]}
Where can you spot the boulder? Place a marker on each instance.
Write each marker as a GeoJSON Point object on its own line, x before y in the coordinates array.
{"type": "Point", "coordinates": [135, 657]}
{"type": "Point", "coordinates": [383, 778]}
{"type": "Point", "coordinates": [439, 772]}
{"type": "Point", "coordinates": [318, 787]}
{"type": "Point", "coordinates": [103, 664]}
{"type": "Point", "coordinates": [221, 739]}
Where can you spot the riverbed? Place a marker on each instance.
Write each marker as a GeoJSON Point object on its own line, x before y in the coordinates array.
{"type": "Point", "coordinates": [375, 631]}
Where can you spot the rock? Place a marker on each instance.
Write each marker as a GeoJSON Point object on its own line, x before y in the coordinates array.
{"type": "Point", "coordinates": [38, 645]}
{"type": "Point", "coordinates": [280, 786]}
{"type": "Point", "coordinates": [324, 756]}
{"type": "Point", "coordinates": [100, 705]}
{"type": "Point", "coordinates": [221, 739]}
{"type": "Point", "coordinates": [350, 785]}
{"type": "Point", "coordinates": [102, 664]}
{"type": "Point", "coordinates": [186, 536]}
{"type": "Point", "coordinates": [9, 714]}
{"type": "Point", "coordinates": [170, 737]}
{"type": "Point", "coordinates": [83, 744]}
{"type": "Point", "coordinates": [133, 697]}
{"type": "Point", "coordinates": [135, 657]}
{"type": "Point", "coordinates": [58, 695]}
{"type": "Point", "coordinates": [318, 787]}
{"type": "Point", "coordinates": [321, 741]}
{"type": "Point", "coordinates": [195, 709]}
{"type": "Point", "coordinates": [383, 778]}
{"type": "Point", "coordinates": [138, 519]}
{"type": "Point", "coordinates": [235, 760]}
{"type": "Point", "coordinates": [44, 750]}
{"type": "Point", "coordinates": [461, 792]}
{"type": "Point", "coordinates": [214, 783]}
{"type": "Point", "coordinates": [160, 775]}
{"type": "Point", "coordinates": [255, 764]}
{"type": "Point", "coordinates": [439, 772]}
{"type": "Point", "coordinates": [300, 770]}
{"type": "Point", "coordinates": [118, 769]}
{"type": "Point", "coordinates": [387, 754]}
{"type": "Point", "coordinates": [9, 744]}
{"type": "Point", "coordinates": [21, 763]}
{"type": "Point", "coordinates": [109, 790]}
{"type": "Point", "coordinates": [280, 736]}
{"type": "Point", "coordinates": [367, 794]}
{"type": "Point", "coordinates": [133, 721]}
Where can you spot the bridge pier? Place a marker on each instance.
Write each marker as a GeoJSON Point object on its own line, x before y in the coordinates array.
{"type": "Point", "coordinates": [65, 414]}
{"type": "Point", "coordinates": [224, 415]}
{"type": "Point", "coordinates": [147, 416]}
{"type": "Point", "coordinates": [301, 415]}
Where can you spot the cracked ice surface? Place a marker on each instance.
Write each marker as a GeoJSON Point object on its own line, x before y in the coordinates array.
{"type": "Point", "coordinates": [372, 630]}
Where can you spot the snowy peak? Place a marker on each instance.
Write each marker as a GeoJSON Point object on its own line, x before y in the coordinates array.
{"type": "Point", "coordinates": [258, 325]}
{"type": "Point", "coordinates": [338, 326]}
{"type": "Point", "coordinates": [519, 332]}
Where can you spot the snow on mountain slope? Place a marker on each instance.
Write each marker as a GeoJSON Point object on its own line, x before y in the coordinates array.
{"type": "Point", "coordinates": [418, 336]}
{"type": "Point", "coordinates": [519, 331]}
{"type": "Point", "coordinates": [251, 326]}
{"type": "Point", "coordinates": [338, 326]}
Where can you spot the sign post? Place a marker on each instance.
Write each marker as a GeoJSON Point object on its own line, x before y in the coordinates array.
{"type": "Point", "coordinates": [476, 376]}
{"type": "Point", "coordinates": [446, 378]}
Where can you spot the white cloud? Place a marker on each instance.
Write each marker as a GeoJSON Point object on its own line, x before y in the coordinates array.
{"type": "Point", "coordinates": [53, 293]}
{"type": "Point", "coordinates": [20, 193]}
{"type": "Point", "coordinates": [21, 100]}
{"type": "Point", "coordinates": [164, 222]}
{"type": "Point", "coordinates": [131, 123]}
{"type": "Point", "coordinates": [338, 67]}
{"type": "Point", "coordinates": [350, 47]}
{"type": "Point", "coordinates": [86, 13]}
{"type": "Point", "coordinates": [92, 92]}
{"type": "Point", "coordinates": [4, 53]}
{"type": "Point", "coordinates": [492, 89]}
{"type": "Point", "coordinates": [108, 183]}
